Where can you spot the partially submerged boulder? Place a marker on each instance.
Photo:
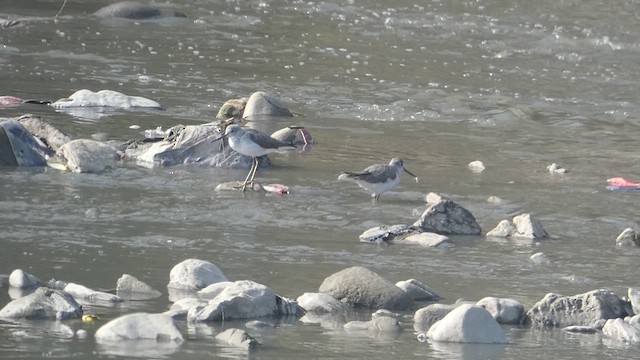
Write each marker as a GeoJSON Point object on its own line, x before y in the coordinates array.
{"type": "Point", "coordinates": [468, 324]}
{"type": "Point", "coordinates": [244, 299]}
{"type": "Point", "coordinates": [522, 226]}
{"type": "Point", "coordinates": [582, 309]}
{"type": "Point", "coordinates": [22, 280]}
{"type": "Point", "coordinates": [382, 326]}
{"type": "Point", "coordinates": [361, 287]}
{"type": "Point", "coordinates": [49, 135]}
{"type": "Point", "coordinates": [384, 233]}
{"type": "Point", "coordinates": [321, 303]}
{"type": "Point", "coordinates": [505, 311]}
{"type": "Point", "coordinates": [138, 11]}
{"type": "Point", "coordinates": [130, 288]}
{"type": "Point", "coordinates": [43, 304]}
{"type": "Point", "coordinates": [628, 237]}
{"type": "Point", "coordinates": [428, 239]}
{"type": "Point", "coordinates": [18, 147]}
{"type": "Point", "coordinates": [105, 98]}
{"type": "Point", "coordinates": [620, 330]}
{"type": "Point", "coordinates": [139, 326]}
{"type": "Point", "coordinates": [446, 217]}
{"type": "Point", "coordinates": [424, 317]}
{"type": "Point", "coordinates": [85, 156]}
{"type": "Point", "coordinates": [417, 290]}
{"type": "Point", "coordinates": [194, 274]}
{"type": "Point", "coordinates": [262, 104]}
{"type": "Point", "coordinates": [87, 295]}
{"type": "Point", "coordinates": [238, 338]}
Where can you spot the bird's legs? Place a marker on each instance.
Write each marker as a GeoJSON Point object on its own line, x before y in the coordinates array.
{"type": "Point", "coordinates": [255, 169]}
{"type": "Point", "coordinates": [250, 175]}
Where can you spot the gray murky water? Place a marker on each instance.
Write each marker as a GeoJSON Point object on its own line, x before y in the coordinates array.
{"type": "Point", "coordinates": [516, 84]}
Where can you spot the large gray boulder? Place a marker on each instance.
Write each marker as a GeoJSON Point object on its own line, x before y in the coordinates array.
{"type": "Point", "coordinates": [417, 290]}
{"type": "Point", "coordinates": [262, 104]}
{"type": "Point", "coordinates": [139, 326]}
{"type": "Point", "coordinates": [194, 274]}
{"type": "Point", "coordinates": [424, 317]}
{"type": "Point", "coordinates": [582, 309]}
{"type": "Point", "coordinates": [138, 11]}
{"type": "Point", "coordinates": [44, 303]}
{"type": "Point", "coordinates": [468, 324]}
{"type": "Point", "coordinates": [18, 147]}
{"type": "Point", "coordinates": [130, 288]}
{"type": "Point", "coordinates": [505, 311]}
{"type": "Point", "coordinates": [85, 156]}
{"type": "Point", "coordinates": [621, 331]}
{"type": "Point", "coordinates": [244, 299]}
{"type": "Point", "coordinates": [361, 287]}
{"type": "Point", "coordinates": [446, 217]}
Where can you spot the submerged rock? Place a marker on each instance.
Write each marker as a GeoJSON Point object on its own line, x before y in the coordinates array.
{"type": "Point", "coordinates": [45, 304]}
{"type": "Point", "coordinates": [105, 98]}
{"type": "Point", "coordinates": [321, 303]}
{"type": "Point", "coordinates": [383, 326]}
{"type": "Point", "coordinates": [468, 324]}
{"type": "Point", "coordinates": [139, 326]}
{"type": "Point", "coordinates": [628, 237]}
{"type": "Point", "coordinates": [582, 309]}
{"type": "Point", "coordinates": [85, 156]}
{"type": "Point", "coordinates": [505, 311]}
{"type": "Point", "coordinates": [238, 338]}
{"type": "Point", "coordinates": [383, 233]}
{"type": "Point", "coordinates": [446, 217]}
{"type": "Point", "coordinates": [427, 239]}
{"type": "Point", "coordinates": [138, 11]}
{"type": "Point", "coordinates": [361, 287]}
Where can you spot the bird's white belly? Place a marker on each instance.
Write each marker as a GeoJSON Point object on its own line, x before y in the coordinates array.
{"type": "Point", "coordinates": [247, 147]}
{"type": "Point", "coordinates": [379, 187]}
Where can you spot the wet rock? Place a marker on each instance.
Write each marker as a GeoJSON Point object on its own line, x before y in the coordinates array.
{"type": "Point", "coordinates": [49, 135]}
{"type": "Point", "coordinates": [321, 303]}
{"type": "Point", "coordinates": [476, 166]}
{"type": "Point", "coordinates": [238, 338]}
{"type": "Point", "coordinates": [446, 217]}
{"type": "Point", "coordinates": [130, 288]}
{"type": "Point", "coordinates": [213, 290]}
{"type": "Point", "coordinates": [105, 98]}
{"type": "Point", "coordinates": [232, 109]}
{"type": "Point", "coordinates": [619, 330]}
{"type": "Point", "coordinates": [628, 237]}
{"type": "Point", "coordinates": [18, 147]}
{"type": "Point", "coordinates": [296, 135]}
{"type": "Point", "coordinates": [361, 287]}
{"type": "Point", "coordinates": [138, 11]}
{"type": "Point", "coordinates": [383, 233]}
{"type": "Point", "coordinates": [468, 324]}
{"type": "Point", "coordinates": [539, 259]}
{"type": "Point", "coordinates": [244, 299]}
{"type": "Point", "coordinates": [332, 321]}
{"type": "Point", "coordinates": [582, 309]}
{"type": "Point", "coordinates": [505, 311]}
{"type": "Point", "coordinates": [194, 274]}
{"type": "Point", "coordinates": [85, 156]}
{"type": "Point", "coordinates": [187, 302]}
{"type": "Point", "coordinates": [522, 226]}
{"type": "Point", "coordinates": [45, 304]}
{"type": "Point", "coordinates": [417, 290]}
{"type": "Point", "coordinates": [556, 169]}
{"type": "Point", "coordinates": [382, 326]}
{"type": "Point", "coordinates": [262, 104]}
{"type": "Point", "coordinates": [139, 326]}
{"type": "Point", "coordinates": [427, 239]}
{"type": "Point", "coordinates": [633, 294]}
{"type": "Point", "coordinates": [424, 317]}
{"type": "Point", "coordinates": [580, 329]}
{"type": "Point", "coordinates": [22, 280]}
{"type": "Point", "coordinates": [85, 294]}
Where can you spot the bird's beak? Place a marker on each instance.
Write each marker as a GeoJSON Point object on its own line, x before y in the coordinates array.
{"type": "Point", "coordinates": [410, 173]}
{"type": "Point", "coordinates": [220, 138]}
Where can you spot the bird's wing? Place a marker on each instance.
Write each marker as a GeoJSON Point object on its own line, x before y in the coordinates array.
{"type": "Point", "coordinates": [369, 173]}
{"type": "Point", "coordinates": [267, 141]}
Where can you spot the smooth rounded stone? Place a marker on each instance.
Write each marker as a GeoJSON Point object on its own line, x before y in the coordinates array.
{"type": "Point", "coordinates": [259, 325]}
{"type": "Point", "coordinates": [361, 287]}
{"type": "Point", "coordinates": [628, 237]}
{"type": "Point", "coordinates": [494, 200]}
{"type": "Point", "coordinates": [556, 169]}
{"type": "Point", "coordinates": [82, 334]}
{"type": "Point", "coordinates": [296, 135]}
{"type": "Point", "coordinates": [424, 317]}
{"type": "Point", "coordinates": [505, 228]}
{"type": "Point", "coordinates": [194, 274]}
{"type": "Point", "coordinates": [476, 166]}
{"type": "Point", "coordinates": [85, 156]}
{"type": "Point", "coordinates": [85, 294]}
{"type": "Point", "coordinates": [446, 217]}
{"type": "Point", "coordinates": [468, 324]}
{"type": "Point", "coordinates": [321, 303]}
{"type": "Point", "coordinates": [105, 98]}
{"type": "Point", "coordinates": [633, 294]}
{"type": "Point", "coordinates": [505, 311]}
{"type": "Point", "coordinates": [137, 11]}
{"type": "Point", "coordinates": [434, 198]}
{"type": "Point", "coordinates": [244, 299]}
{"type": "Point", "coordinates": [529, 227]}
{"type": "Point", "coordinates": [619, 330]}
{"type": "Point", "coordinates": [213, 290]}
{"type": "Point", "coordinates": [383, 326]}
{"type": "Point", "coordinates": [130, 288]}
{"type": "Point", "coordinates": [580, 329]}
{"type": "Point", "coordinates": [139, 326]}
{"type": "Point", "coordinates": [18, 147]}
{"type": "Point", "coordinates": [44, 131]}
{"type": "Point", "coordinates": [22, 280]}
{"type": "Point", "coordinates": [238, 338]}
{"type": "Point", "coordinates": [46, 304]}
{"type": "Point", "coordinates": [417, 290]}
{"type": "Point", "coordinates": [383, 233]}
{"type": "Point", "coordinates": [539, 259]}
{"type": "Point", "coordinates": [427, 239]}
{"type": "Point", "coordinates": [582, 309]}
{"type": "Point", "coordinates": [262, 104]}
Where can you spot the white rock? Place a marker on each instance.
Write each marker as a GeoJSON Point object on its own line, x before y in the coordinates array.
{"type": "Point", "coordinates": [619, 330]}
{"type": "Point", "coordinates": [505, 311]}
{"type": "Point", "coordinates": [529, 227]}
{"type": "Point", "coordinates": [468, 324]}
{"type": "Point", "coordinates": [85, 156]}
{"type": "Point", "coordinates": [418, 290]}
{"type": "Point", "coordinates": [105, 98]}
{"type": "Point", "coordinates": [213, 290]}
{"type": "Point", "coordinates": [238, 338]}
{"type": "Point", "coordinates": [428, 239]}
{"type": "Point", "coordinates": [194, 274]}
{"type": "Point", "coordinates": [321, 303]}
{"type": "Point", "coordinates": [130, 288]}
{"type": "Point", "coordinates": [139, 326]}
{"type": "Point", "coordinates": [84, 294]}
{"type": "Point", "coordinates": [187, 303]}
{"type": "Point", "coordinates": [22, 280]}
{"type": "Point", "coordinates": [555, 169]}
{"type": "Point", "coordinates": [476, 166]}
{"type": "Point", "coordinates": [504, 229]}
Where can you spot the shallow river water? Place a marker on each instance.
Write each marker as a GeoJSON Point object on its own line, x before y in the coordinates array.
{"type": "Point", "coordinates": [516, 84]}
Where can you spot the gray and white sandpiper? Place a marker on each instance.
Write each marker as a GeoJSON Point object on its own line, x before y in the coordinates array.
{"type": "Point", "coordinates": [378, 178]}
{"type": "Point", "coordinates": [252, 143]}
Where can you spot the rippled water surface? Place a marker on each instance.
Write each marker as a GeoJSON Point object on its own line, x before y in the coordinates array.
{"type": "Point", "coordinates": [516, 84]}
